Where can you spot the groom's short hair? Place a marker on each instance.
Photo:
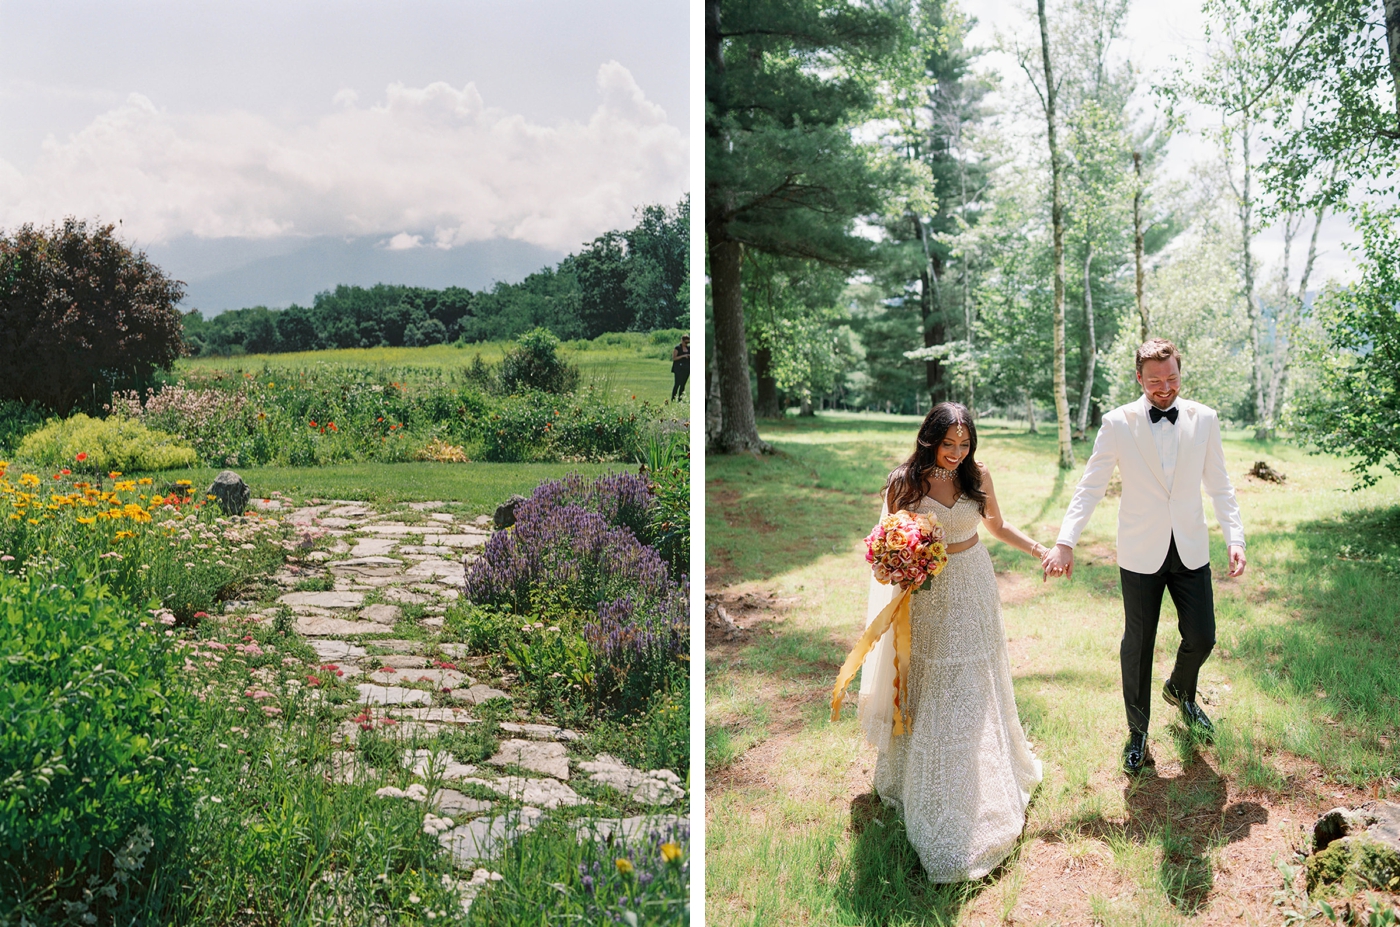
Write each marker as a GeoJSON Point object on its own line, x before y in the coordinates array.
{"type": "Point", "coordinates": [1157, 349]}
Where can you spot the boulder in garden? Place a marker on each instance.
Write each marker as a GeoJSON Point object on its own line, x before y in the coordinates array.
{"type": "Point", "coordinates": [231, 492]}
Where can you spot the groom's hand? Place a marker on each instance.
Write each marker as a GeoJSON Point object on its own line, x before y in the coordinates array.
{"type": "Point", "coordinates": [1058, 561]}
{"type": "Point", "coordinates": [1236, 560]}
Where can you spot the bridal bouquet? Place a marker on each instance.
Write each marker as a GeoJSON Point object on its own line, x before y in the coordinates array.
{"type": "Point", "coordinates": [906, 549]}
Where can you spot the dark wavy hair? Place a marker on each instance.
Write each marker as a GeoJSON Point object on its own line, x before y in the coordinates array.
{"type": "Point", "coordinates": [905, 487]}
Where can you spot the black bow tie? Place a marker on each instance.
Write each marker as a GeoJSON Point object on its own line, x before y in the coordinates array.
{"type": "Point", "coordinates": [1157, 414]}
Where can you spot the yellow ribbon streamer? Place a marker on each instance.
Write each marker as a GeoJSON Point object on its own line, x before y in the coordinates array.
{"type": "Point", "coordinates": [895, 615]}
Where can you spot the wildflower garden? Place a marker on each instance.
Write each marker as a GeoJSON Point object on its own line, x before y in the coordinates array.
{"type": "Point", "coordinates": [374, 694]}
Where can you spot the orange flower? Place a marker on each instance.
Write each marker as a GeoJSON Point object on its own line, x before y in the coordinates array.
{"type": "Point", "coordinates": [313, 423]}
{"type": "Point", "coordinates": [82, 455]}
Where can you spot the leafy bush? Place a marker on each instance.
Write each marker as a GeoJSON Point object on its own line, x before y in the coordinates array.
{"type": "Point", "coordinates": [667, 468]}
{"type": "Point", "coordinates": [91, 754]}
{"type": "Point", "coordinates": [80, 310]}
{"type": "Point", "coordinates": [541, 427]}
{"type": "Point", "coordinates": [574, 549]}
{"type": "Point", "coordinates": [534, 364]}
{"type": "Point", "coordinates": [108, 444]}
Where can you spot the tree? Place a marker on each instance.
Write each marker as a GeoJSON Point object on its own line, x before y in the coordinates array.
{"type": "Point", "coordinates": [783, 176]}
{"type": "Point", "coordinates": [658, 267]}
{"type": "Point", "coordinates": [1057, 219]}
{"type": "Point", "coordinates": [81, 313]}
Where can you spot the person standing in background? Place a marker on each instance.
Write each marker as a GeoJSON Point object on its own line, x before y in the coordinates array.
{"type": "Point", "coordinates": [680, 367]}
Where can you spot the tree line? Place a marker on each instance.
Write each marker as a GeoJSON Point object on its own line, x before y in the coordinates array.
{"type": "Point", "coordinates": [632, 280]}
{"type": "Point", "coordinates": [879, 237]}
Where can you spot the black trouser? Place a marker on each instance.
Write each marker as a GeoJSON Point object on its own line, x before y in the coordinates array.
{"type": "Point", "coordinates": [679, 388]}
{"type": "Point", "coordinates": [1142, 606]}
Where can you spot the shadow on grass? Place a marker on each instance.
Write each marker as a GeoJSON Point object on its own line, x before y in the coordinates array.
{"type": "Point", "coordinates": [1184, 817]}
{"type": "Point", "coordinates": [884, 882]}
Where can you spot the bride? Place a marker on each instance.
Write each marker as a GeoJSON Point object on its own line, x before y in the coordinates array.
{"type": "Point", "coordinates": [963, 773]}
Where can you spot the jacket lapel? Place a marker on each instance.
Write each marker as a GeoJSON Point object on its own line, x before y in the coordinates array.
{"type": "Point", "coordinates": [1186, 438]}
{"type": "Point", "coordinates": [1142, 434]}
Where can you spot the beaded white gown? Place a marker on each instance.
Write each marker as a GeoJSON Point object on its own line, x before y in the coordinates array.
{"type": "Point", "coordinates": [962, 776]}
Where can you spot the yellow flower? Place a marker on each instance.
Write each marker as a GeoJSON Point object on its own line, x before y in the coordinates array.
{"type": "Point", "coordinates": [671, 852]}
{"type": "Point", "coordinates": [623, 866]}
{"type": "Point", "coordinates": [86, 521]}
{"type": "Point", "coordinates": [126, 486]}
{"type": "Point", "coordinates": [123, 535]}
{"type": "Point", "coordinates": [114, 474]}
{"type": "Point", "coordinates": [144, 481]}
{"type": "Point", "coordinates": [29, 479]}
{"type": "Point", "coordinates": [183, 483]}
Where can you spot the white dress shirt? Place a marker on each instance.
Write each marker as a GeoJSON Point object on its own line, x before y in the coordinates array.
{"type": "Point", "coordinates": [1166, 436]}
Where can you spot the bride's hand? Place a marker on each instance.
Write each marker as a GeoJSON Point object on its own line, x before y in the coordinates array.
{"type": "Point", "coordinates": [1058, 561]}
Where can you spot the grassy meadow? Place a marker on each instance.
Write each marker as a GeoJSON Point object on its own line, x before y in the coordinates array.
{"type": "Point", "coordinates": [618, 363]}
{"type": "Point", "coordinates": [1304, 686]}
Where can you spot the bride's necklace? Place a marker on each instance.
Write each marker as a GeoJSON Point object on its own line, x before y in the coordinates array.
{"type": "Point", "coordinates": [939, 473]}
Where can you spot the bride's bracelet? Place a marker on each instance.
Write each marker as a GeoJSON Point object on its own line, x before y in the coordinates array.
{"type": "Point", "coordinates": [1038, 550]}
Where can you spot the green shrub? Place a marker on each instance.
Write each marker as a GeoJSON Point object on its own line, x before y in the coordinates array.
{"type": "Point", "coordinates": [91, 753]}
{"type": "Point", "coordinates": [110, 444]}
{"type": "Point", "coordinates": [534, 364]}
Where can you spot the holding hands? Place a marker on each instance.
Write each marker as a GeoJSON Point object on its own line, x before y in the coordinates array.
{"type": "Point", "coordinates": [1057, 561]}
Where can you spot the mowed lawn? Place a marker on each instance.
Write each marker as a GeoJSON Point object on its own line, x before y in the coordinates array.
{"type": "Point", "coordinates": [634, 367]}
{"type": "Point", "coordinates": [1304, 685]}
{"type": "Point", "coordinates": [476, 487]}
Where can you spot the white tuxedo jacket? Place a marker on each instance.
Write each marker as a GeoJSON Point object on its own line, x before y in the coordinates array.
{"type": "Point", "coordinates": [1149, 515]}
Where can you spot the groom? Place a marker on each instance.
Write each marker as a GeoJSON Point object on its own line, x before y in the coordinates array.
{"type": "Point", "coordinates": [1166, 450]}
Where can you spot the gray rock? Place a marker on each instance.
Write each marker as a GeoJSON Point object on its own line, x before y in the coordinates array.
{"type": "Point", "coordinates": [429, 764]}
{"type": "Point", "coordinates": [335, 522]}
{"type": "Point", "coordinates": [454, 804]}
{"type": "Point", "coordinates": [1361, 846]}
{"type": "Point", "coordinates": [391, 695]}
{"type": "Point", "coordinates": [462, 541]}
{"type": "Point", "coordinates": [547, 793]}
{"type": "Point", "coordinates": [657, 787]}
{"type": "Point", "coordinates": [231, 492]}
{"type": "Point", "coordinates": [505, 512]}
{"type": "Point", "coordinates": [393, 529]}
{"type": "Point", "coordinates": [442, 517]}
{"type": "Point", "coordinates": [433, 622]}
{"type": "Point", "coordinates": [351, 511]}
{"type": "Point", "coordinates": [484, 837]}
{"type": "Point", "coordinates": [444, 715]}
{"type": "Point", "coordinates": [381, 613]}
{"type": "Point", "coordinates": [482, 521]}
{"type": "Point", "coordinates": [437, 678]}
{"type": "Point", "coordinates": [373, 547]}
{"type": "Point", "coordinates": [425, 506]}
{"type": "Point", "coordinates": [425, 550]}
{"type": "Point", "coordinates": [318, 556]}
{"type": "Point", "coordinates": [546, 757]}
{"type": "Point", "coordinates": [540, 731]}
{"type": "Point", "coordinates": [400, 661]}
{"type": "Point", "coordinates": [331, 650]}
{"type": "Point", "coordinates": [325, 626]}
{"type": "Point", "coordinates": [324, 599]}
{"type": "Point", "coordinates": [406, 597]}
{"type": "Point", "coordinates": [477, 694]}
{"type": "Point", "coordinates": [628, 830]}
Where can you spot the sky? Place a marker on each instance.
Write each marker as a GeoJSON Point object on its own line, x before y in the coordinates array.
{"type": "Point", "coordinates": [1157, 36]}
{"type": "Point", "coordinates": [422, 124]}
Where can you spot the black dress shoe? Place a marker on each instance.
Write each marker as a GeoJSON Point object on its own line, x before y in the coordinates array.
{"type": "Point", "coordinates": [1191, 713]}
{"type": "Point", "coordinates": [1135, 753]}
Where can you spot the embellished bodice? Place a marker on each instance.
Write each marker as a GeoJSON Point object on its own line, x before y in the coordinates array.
{"type": "Point", "coordinates": [959, 522]}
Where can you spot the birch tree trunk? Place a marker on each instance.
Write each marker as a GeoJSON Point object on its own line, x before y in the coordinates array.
{"type": "Point", "coordinates": [1057, 221]}
{"type": "Point", "coordinates": [1137, 245]}
{"type": "Point", "coordinates": [1088, 391]}
{"type": "Point", "coordinates": [1256, 319]}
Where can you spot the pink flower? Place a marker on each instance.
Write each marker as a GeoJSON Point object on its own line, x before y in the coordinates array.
{"type": "Point", "coordinates": [271, 710]}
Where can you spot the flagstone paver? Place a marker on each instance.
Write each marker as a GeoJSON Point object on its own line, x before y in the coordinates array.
{"type": "Point", "coordinates": [409, 694]}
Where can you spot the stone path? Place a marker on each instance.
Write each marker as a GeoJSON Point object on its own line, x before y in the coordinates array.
{"type": "Point", "coordinates": [383, 577]}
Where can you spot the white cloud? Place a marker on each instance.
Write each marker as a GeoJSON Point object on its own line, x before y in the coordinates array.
{"type": "Point", "coordinates": [434, 159]}
{"type": "Point", "coordinates": [404, 242]}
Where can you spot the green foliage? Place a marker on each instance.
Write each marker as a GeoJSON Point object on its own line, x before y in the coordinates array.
{"type": "Point", "coordinates": [550, 876]}
{"type": "Point", "coordinates": [539, 427]}
{"type": "Point", "coordinates": [534, 364]}
{"type": "Point", "coordinates": [92, 757]}
{"type": "Point", "coordinates": [666, 465]}
{"type": "Point", "coordinates": [110, 444]}
{"type": "Point", "coordinates": [1354, 407]}
{"type": "Point", "coordinates": [81, 313]}
{"type": "Point", "coordinates": [18, 419]}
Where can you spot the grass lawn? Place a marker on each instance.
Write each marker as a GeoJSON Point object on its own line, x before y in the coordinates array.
{"type": "Point", "coordinates": [636, 366]}
{"type": "Point", "coordinates": [476, 487]}
{"type": "Point", "coordinates": [1303, 684]}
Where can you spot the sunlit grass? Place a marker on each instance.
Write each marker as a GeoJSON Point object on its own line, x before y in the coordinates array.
{"type": "Point", "coordinates": [1304, 668]}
